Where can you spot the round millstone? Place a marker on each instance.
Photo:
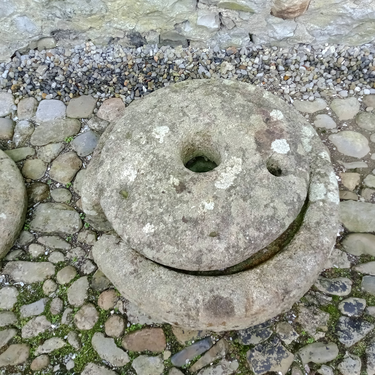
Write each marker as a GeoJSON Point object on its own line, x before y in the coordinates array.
{"type": "Point", "coordinates": [150, 192]}
{"type": "Point", "coordinates": [13, 203]}
{"type": "Point", "coordinates": [258, 155]}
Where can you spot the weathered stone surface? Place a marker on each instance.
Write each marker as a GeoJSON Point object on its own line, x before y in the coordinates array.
{"type": "Point", "coordinates": [81, 107]}
{"type": "Point", "coordinates": [99, 281]}
{"type": "Point", "coordinates": [152, 339]}
{"type": "Point", "coordinates": [370, 357]}
{"type": "Point", "coordinates": [350, 331]}
{"type": "Point", "coordinates": [190, 352]}
{"type": "Point", "coordinates": [74, 340]}
{"type": "Point", "coordinates": [269, 357]}
{"type": "Point", "coordinates": [34, 169]}
{"type": "Point", "coordinates": [350, 180]}
{"type": "Point", "coordinates": [25, 238]}
{"type": "Point", "coordinates": [366, 120]}
{"type": "Point", "coordinates": [26, 108]}
{"type": "Point", "coordinates": [32, 309]}
{"type": "Point", "coordinates": [54, 218]}
{"type": "Point", "coordinates": [86, 317]}
{"type": "Point", "coordinates": [289, 8]}
{"type": "Point", "coordinates": [313, 320]}
{"type": "Point", "coordinates": [39, 363]}
{"type": "Point", "coordinates": [350, 143]}
{"type": "Point", "coordinates": [368, 284]}
{"type": "Point", "coordinates": [97, 124]}
{"type": "Point", "coordinates": [49, 110]}
{"type": "Point", "coordinates": [61, 195]}
{"type": "Point", "coordinates": [65, 167]}
{"type": "Point", "coordinates": [184, 335]}
{"type": "Point", "coordinates": [352, 306]}
{"type": "Point", "coordinates": [54, 242]}
{"type": "Point", "coordinates": [111, 109]}
{"type": "Point", "coordinates": [286, 332]}
{"type": "Point", "coordinates": [29, 272]}
{"type": "Point", "coordinates": [56, 306]}
{"type": "Point", "coordinates": [56, 257]}
{"type": "Point", "coordinates": [35, 250]}
{"type": "Point", "coordinates": [21, 153]}
{"type": "Point", "coordinates": [6, 335]}
{"type": "Point", "coordinates": [148, 365]}
{"type": "Point", "coordinates": [359, 244]}
{"type": "Point", "coordinates": [319, 352]}
{"type": "Point", "coordinates": [358, 216]}
{"type": "Point", "coordinates": [13, 203]}
{"type": "Point", "coordinates": [7, 318]}
{"type": "Point", "coordinates": [77, 292]}
{"type": "Point", "coordinates": [310, 107]}
{"type": "Point", "coordinates": [93, 369]}
{"type": "Point", "coordinates": [218, 351]}
{"type": "Point", "coordinates": [8, 297]}
{"type": "Point", "coordinates": [22, 132]}
{"type": "Point", "coordinates": [49, 286]}
{"type": "Point", "coordinates": [351, 365]}
{"type": "Point", "coordinates": [324, 121]}
{"type": "Point", "coordinates": [255, 335]}
{"type": "Point", "coordinates": [114, 326]}
{"type": "Point", "coordinates": [85, 143]}
{"type": "Point", "coordinates": [6, 103]}
{"type": "Point", "coordinates": [108, 350]}
{"type": "Point", "coordinates": [340, 286]}
{"type": "Point", "coordinates": [146, 234]}
{"type": "Point", "coordinates": [338, 259]}
{"type": "Point", "coordinates": [55, 131]}
{"type": "Point", "coordinates": [6, 129]}
{"type": "Point", "coordinates": [366, 268]}
{"type": "Point", "coordinates": [137, 316]}
{"type": "Point", "coordinates": [50, 345]}
{"type": "Point", "coordinates": [107, 299]}
{"type": "Point", "coordinates": [345, 109]}
{"type": "Point", "coordinates": [224, 367]}
{"type": "Point", "coordinates": [35, 326]}
{"type": "Point", "coordinates": [369, 181]}
{"type": "Point", "coordinates": [50, 152]}
{"type": "Point", "coordinates": [15, 355]}
{"type": "Point", "coordinates": [37, 192]}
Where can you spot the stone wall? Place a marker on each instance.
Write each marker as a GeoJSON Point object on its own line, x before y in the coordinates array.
{"type": "Point", "coordinates": [194, 22]}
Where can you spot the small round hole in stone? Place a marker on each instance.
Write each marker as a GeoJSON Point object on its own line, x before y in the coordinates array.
{"type": "Point", "coordinates": [274, 168]}
{"type": "Point", "coordinates": [200, 154]}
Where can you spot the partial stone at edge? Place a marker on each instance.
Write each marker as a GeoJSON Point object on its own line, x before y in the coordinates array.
{"type": "Point", "coordinates": [287, 9]}
{"type": "Point", "coordinates": [359, 244]}
{"type": "Point", "coordinates": [357, 216]}
{"type": "Point", "coordinates": [15, 355]}
{"type": "Point", "coordinates": [13, 203]}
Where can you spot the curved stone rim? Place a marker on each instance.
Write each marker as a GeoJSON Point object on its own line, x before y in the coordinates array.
{"type": "Point", "coordinates": [244, 299]}
{"type": "Point", "coordinates": [14, 206]}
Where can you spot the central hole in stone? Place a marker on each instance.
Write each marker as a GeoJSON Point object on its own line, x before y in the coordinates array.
{"type": "Point", "coordinates": [200, 164]}
{"type": "Point", "coordinates": [201, 154]}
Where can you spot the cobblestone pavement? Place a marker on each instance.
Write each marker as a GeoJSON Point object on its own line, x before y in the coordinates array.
{"type": "Point", "coordinates": [60, 315]}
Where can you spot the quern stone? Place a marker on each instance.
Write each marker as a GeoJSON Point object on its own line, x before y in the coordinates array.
{"type": "Point", "coordinates": [159, 166]}
{"type": "Point", "coordinates": [13, 203]}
